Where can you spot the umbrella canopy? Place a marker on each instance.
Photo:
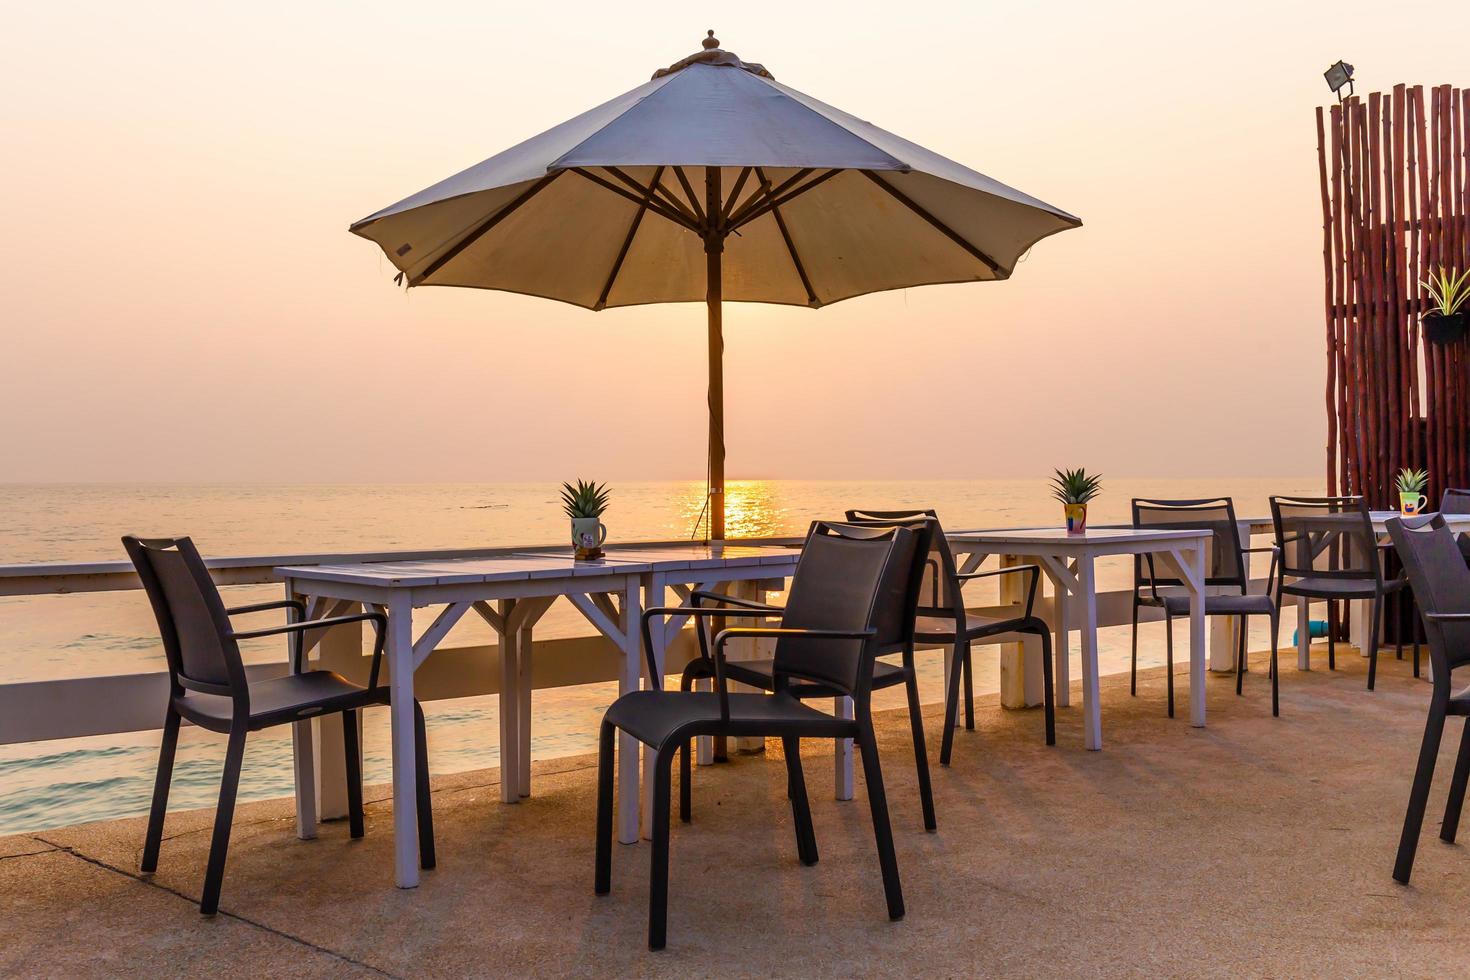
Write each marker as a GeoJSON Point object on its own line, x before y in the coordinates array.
{"type": "Point", "coordinates": [712, 181]}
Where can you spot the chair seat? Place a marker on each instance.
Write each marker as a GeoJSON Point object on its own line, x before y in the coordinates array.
{"type": "Point", "coordinates": [757, 673]}
{"type": "Point", "coordinates": [1338, 588]}
{"type": "Point", "coordinates": [658, 718]}
{"type": "Point", "coordinates": [941, 629]}
{"type": "Point", "coordinates": [1220, 605]}
{"type": "Point", "coordinates": [282, 699]}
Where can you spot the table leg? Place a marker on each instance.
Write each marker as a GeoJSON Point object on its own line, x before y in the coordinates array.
{"type": "Point", "coordinates": [628, 746]}
{"type": "Point", "coordinates": [1304, 634]}
{"type": "Point", "coordinates": [1197, 665]}
{"type": "Point", "coordinates": [304, 759]}
{"type": "Point", "coordinates": [654, 593]}
{"type": "Point", "coordinates": [405, 792]}
{"type": "Point", "coordinates": [842, 762]}
{"type": "Point", "coordinates": [510, 701]}
{"type": "Point", "coordinates": [1091, 710]}
{"type": "Point", "coordinates": [524, 687]}
{"type": "Point", "coordinates": [1062, 654]}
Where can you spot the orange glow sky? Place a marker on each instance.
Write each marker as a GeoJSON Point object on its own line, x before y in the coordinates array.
{"type": "Point", "coordinates": [182, 301]}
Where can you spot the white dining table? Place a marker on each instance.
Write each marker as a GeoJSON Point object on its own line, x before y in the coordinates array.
{"type": "Point", "coordinates": [511, 593]}
{"type": "Point", "coordinates": [1068, 560]}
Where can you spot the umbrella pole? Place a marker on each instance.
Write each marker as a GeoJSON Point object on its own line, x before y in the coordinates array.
{"type": "Point", "coordinates": [714, 247]}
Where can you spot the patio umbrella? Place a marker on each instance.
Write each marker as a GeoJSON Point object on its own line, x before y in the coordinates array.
{"type": "Point", "coordinates": [712, 181]}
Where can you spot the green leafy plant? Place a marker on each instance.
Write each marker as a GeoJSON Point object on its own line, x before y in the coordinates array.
{"type": "Point", "coordinates": [587, 498]}
{"type": "Point", "coordinates": [1075, 486]}
{"type": "Point", "coordinates": [1448, 290]}
{"type": "Point", "coordinates": [1412, 481]}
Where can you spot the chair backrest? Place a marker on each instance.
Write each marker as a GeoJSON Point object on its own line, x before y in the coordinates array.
{"type": "Point", "coordinates": [1326, 537]}
{"type": "Point", "coordinates": [897, 627]}
{"type": "Point", "coordinates": [939, 591]}
{"type": "Point", "coordinates": [849, 578]}
{"type": "Point", "coordinates": [202, 655]}
{"type": "Point", "coordinates": [1225, 562]}
{"type": "Point", "coordinates": [1441, 583]}
{"type": "Point", "coordinates": [1454, 501]}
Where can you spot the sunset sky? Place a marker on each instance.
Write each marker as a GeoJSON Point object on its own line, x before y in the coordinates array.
{"type": "Point", "coordinates": [182, 301]}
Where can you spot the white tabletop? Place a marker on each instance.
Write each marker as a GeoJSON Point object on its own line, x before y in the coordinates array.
{"type": "Point", "coordinates": [462, 571]}
{"type": "Point", "coordinates": [692, 556]}
{"type": "Point", "coordinates": [1059, 535]}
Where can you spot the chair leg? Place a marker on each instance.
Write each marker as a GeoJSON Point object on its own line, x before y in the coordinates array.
{"type": "Point", "coordinates": [686, 782]}
{"type": "Point", "coordinates": [427, 859]}
{"type": "Point", "coordinates": [1377, 625]}
{"type": "Point", "coordinates": [658, 870]}
{"type": "Point", "coordinates": [1048, 687]}
{"type": "Point", "coordinates": [1275, 668]}
{"type": "Point", "coordinates": [801, 811]}
{"type": "Point", "coordinates": [969, 692]}
{"type": "Point", "coordinates": [1169, 657]}
{"type": "Point", "coordinates": [224, 816]}
{"type": "Point", "coordinates": [602, 878]}
{"type": "Point", "coordinates": [154, 838]}
{"type": "Point", "coordinates": [921, 754]}
{"type": "Point", "coordinates": [951, 705]}
{"type": "Point", "coordinates": [1456, 801]}
{"type": "Point", "coordinates": [1419, 794]}
{"type": "Point", "coordinates": [1240, 658]}
{"type": "Point", "coordinates": [354, 773]}
{"type": "Point", "coordinates": [1331, 634]}
{"type": "Point", "coordinates": [878, 802]}
{"type": "Point", "coordinates": [1398, 625]}
{"type": "Point", "coordinates": [1133, 668]}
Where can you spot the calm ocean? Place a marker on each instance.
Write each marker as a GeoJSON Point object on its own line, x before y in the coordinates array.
{"type": "Point", "coordinates": [60, 783]}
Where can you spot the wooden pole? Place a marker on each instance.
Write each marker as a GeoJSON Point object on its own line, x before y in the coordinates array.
{"type": "Point", "coordinates": [714, 247]}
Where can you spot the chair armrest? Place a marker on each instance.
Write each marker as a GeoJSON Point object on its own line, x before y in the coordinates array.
{"type": "Point", "coordinates": [1033, 570]}
{"type": "Point", "coordinates": [1270, 547]}
{"type": "Point", "coordinates": [295, 604]}
{"type": "Point", "coordinates": [720, 597]}
{"type": "Point", "coordinates": [770, 632]}
{"type": "Point", "coordinates": [378, 620]}
{"type": "Point", "coordinates": [1275, 551]}
{"type": "Point", "coordinates": [695, 612]}
{"type": "Point", "coordinates": [1447, 617]}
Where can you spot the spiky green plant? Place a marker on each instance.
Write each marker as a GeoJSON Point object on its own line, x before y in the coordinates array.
{"type": "Point", "coordinates": [1448, 290]}
{"type": "Point", "coordinates": [587, 498]}
{"type": "Point", "coordinates": [1412, 481]}
{"type": "Point", "coordinates": [1075, 486]}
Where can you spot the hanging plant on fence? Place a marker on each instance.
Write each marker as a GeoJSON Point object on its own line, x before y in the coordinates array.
{"type": "Point", "coordinates": [1446, 321]}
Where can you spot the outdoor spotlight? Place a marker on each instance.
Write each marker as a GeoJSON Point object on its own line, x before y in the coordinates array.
{"type": "Point", "coordinates": [1339, 76]}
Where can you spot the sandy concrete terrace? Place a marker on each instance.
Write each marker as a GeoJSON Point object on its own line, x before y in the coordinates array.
{"type": "Point", "coordinates": [1258, 847]}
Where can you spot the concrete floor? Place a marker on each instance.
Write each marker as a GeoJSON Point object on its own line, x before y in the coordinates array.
{"type": "Point", "coordinates": [1257, 846]}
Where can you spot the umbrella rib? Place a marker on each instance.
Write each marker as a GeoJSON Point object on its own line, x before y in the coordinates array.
{"type": "Point", "coordinates": [757, 200]}
{"type": "Point", "coordinates": [483, 228]}
{"type": "Point", "coordinates": [772, 205]}
{"type": "Point", "coordinates": [811, 296]}
{"type": "Point", "coordinates": [735, 194]}
{"type": "Point", "coordinates": [689, 191]}
{"type": "Point", "coordinates": [617, 265]}
{"type": "Point", "coordinates": [642, 191]}
{"type": "Point", "coordinates": [656, 208]}
{"type": "Point", "coordinates": [940, 226]}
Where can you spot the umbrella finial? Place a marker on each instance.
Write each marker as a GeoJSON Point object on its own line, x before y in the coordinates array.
{"type": "Point", "coordinates": [711, 42]}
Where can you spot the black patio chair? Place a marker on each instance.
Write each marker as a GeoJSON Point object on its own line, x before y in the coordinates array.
{"type": "Point", "coordinates": [898, 637]}
{"type": "Point", "coordinates": [1441, 582]}
{"type": "Point", "coordinates": [943, 619]}
{"type": "Point", "coordinates": [208, 686]}
{"type": "Point", "coordinates": [849, 587]}
{"type": "Point", "coordinates": [1456, 500]}
{"type": "Point", "coordinates": [1225, 568]}
{"type": "Point", "coordinates": [1333, 554]}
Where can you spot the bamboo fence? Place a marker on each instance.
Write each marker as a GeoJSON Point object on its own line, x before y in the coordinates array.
{"type": "Point", "coordinates": [1395, 172]}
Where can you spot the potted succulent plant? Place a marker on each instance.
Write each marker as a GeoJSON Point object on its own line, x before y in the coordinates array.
{"type": "Point", "coordinates": [585, 502]}
{"type": "Point", "coordinates": [1444, 322]}
{"type": "Point", "coordinates": [1411, 484]}
{"type": "Point", "coordinates": [1074, 488]}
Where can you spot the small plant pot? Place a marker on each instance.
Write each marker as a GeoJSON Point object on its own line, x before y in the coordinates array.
{"type": "Point", "coordinates": [588, 535]}
{"type": "Point", "coordinates": [1076, 515]}
{"type": "Point", "coordinates": [1442, 329]}
{"type": "Point", "coordinates": [1412, 504]}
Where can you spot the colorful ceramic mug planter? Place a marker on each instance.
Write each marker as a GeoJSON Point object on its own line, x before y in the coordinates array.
{"type": "Point", "coordinates": [1411, 484]}
{"type": "Point", "coordinates": [585, 502]}
{"type": "Point", "coordinates": [1074, 488]}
